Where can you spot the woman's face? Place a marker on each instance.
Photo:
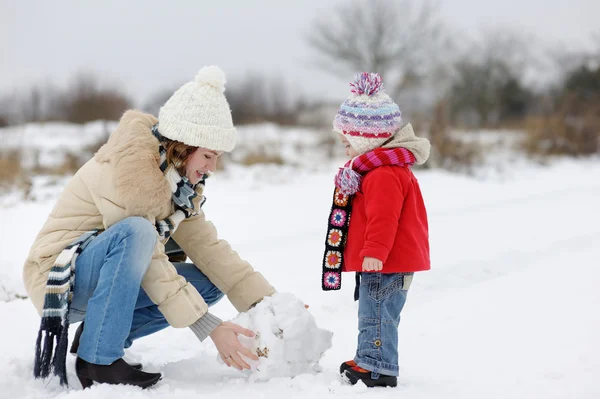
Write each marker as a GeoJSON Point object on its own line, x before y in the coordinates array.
{"type": "Point", "coordinates": [201, 161]}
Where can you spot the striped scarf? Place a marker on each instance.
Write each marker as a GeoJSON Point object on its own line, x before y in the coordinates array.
{"type": "Point", "coordinates": [184, 192]}
{"type": "Point", "coordinates": [55, 313]}
{"type": "Point", "coordinates": [347, 183]}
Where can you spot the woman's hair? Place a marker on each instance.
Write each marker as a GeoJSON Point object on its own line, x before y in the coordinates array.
{"type": "Point", "coordinates": [178, 153]}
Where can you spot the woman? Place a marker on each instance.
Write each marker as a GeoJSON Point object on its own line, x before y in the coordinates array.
{"type": "Point", "coordinates": [100, 257]}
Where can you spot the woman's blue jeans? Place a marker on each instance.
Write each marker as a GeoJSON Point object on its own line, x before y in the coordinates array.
{"type": "Point", "coordinates": [108, 294]}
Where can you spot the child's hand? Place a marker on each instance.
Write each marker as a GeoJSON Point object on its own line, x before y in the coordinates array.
{"type": "Point", "coordinates": [372, 265]}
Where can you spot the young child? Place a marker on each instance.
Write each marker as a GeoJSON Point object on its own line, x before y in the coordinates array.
{"type": "Point", "coordinates": [386, 240]}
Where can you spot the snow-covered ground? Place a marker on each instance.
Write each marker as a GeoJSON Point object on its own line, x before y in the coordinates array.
{"type": "Point", "coordinates": [509, 309]}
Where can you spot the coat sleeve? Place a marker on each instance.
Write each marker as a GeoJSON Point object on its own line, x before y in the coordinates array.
{"type": "Point", "coordinates": [178, 300]}
{"type": "Point", "coordinates": [235, 277]}
{"type": "Point", "coordinates": [383, 196]}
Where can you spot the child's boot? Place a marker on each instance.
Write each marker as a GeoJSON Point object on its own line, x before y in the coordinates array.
{"type": "Point", "coordinates": [346, 365]}
{"type": "Point", "coordinates": [354, 374]}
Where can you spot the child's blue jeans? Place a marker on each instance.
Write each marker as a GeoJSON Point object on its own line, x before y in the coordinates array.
{"type": "Point", "coordinates": [382, 297]}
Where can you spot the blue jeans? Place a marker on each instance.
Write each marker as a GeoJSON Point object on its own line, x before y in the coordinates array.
{"type": "Point", "coordinates": [108, 294]}
{"type": "Point", "coordinates": [382, 297]}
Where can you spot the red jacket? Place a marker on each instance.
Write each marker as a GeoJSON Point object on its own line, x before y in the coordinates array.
{"type": "Point", "coordinates": [388, 222]}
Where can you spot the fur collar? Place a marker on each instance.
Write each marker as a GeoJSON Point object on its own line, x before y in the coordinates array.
{"type": "Point", "coordinates": [132, 151]}
{"type": "Point", "coordinates": [405, 138]}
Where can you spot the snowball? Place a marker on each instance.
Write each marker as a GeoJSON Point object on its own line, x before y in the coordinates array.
{"type": "Point", "coordinates": [287, 342]}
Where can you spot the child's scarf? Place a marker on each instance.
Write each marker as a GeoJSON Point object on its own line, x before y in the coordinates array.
{"type": "Point", "coordinates": [347, 183]}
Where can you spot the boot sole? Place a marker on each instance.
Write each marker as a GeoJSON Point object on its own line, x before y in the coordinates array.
{"type": "Point", "coordinates": [87, 382]}
{"type": "Point", "coordinates": [392, 383]}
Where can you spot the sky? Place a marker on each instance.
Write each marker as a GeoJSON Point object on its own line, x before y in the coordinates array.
{"type": "Point", "coordinates": [144, 47]}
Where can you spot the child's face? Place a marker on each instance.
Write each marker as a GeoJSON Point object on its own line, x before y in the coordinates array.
{"type": "Point", "coordinates": [350, 151]}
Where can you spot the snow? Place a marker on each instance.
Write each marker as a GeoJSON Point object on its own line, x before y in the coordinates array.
{"type": "Point", "coordinates": [509, 309]}
{"type": "Point", "coordinates": [47, 145]}
{"type": "Point", "coordinates": [287, 341]}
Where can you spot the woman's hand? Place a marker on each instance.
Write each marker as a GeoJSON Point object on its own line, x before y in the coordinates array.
{"type": "Point", "coordinates": [225, 337]}
{"type": "Point", "coordinates": [372, 264]}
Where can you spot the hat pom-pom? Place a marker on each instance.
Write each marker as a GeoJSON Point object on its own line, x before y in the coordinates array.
{"type": "Point", "coordinates": [212, 76]}
{"type": "Point", "coordinates": [347, 181]}
{"type": "Point", "coordinates": [366, 83]}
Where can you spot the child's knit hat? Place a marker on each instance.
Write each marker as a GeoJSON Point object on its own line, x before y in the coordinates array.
{"type": "Point", "coordinates": [368, 117]}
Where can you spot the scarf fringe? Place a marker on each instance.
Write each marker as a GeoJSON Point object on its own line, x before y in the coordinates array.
{"type": "Point", "coordinates": [59, 363]}
{"type": "Point", "coordinates": [348, 181]}
{"type": "Point", "coordinates": [53, 336]}
{"type": "Point", "coordinates": [43, 354]}
{"type": "Point", "coordinates": [37, 364]}
{"type": "Point", "coordinates": [45, 363]}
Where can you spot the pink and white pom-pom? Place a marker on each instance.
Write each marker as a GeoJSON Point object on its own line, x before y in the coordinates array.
{"type": "Point", "coordinates": [366, 83]}
{"type": "Point", "coordinates": [347, 181]}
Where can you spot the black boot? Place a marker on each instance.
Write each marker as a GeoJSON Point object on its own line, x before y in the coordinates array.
{"type": "Point", "coordinates": [75, 346]}
{"type": "Point", "coordinates": [119, 372]}
{"type": "Point", "coordinates": [346, 365]}
{"type": "Point", "coordinates": [354, 374]}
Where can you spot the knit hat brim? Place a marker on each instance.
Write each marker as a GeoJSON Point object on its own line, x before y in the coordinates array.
{"type": "Point", "coordinates": [363, 145]}
{"type": "Point", "coordinates": [214, 138]}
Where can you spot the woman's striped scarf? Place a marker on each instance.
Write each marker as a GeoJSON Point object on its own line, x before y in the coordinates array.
{"type": "Point", "coordinates": [347, 183]}
{"type": "Point", "coordinates": [55, 313]}
{"type": "Point", "coordinates": [184, 193]}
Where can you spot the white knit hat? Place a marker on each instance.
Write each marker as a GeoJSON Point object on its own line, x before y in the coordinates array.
{"type": "Point", "coordinates": [198, 113]}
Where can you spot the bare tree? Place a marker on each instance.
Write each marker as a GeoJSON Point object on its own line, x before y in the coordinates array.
{"type": "Point", "coordinates": [25, 106]}
{"type": "Point", "coordinates": [253, 99]}
{"type": "Point", "coordinates": [152, 106]}
{"type": "Point", "coordinates": [258, 98]}
{"type": "Point", "coordinates": [488, 79]}
{"type": "Point", "coordinates": [401, 42]}
{"type": "Point", "coordinates": [565, 59]}
{"type": "Point", "coordinates": [6, 110]}
{"type": "Point", "coordinates": [86, 101]}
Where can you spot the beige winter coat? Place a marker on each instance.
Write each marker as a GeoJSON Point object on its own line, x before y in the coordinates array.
{"type": "Point", "coordinates": [122, 180]}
